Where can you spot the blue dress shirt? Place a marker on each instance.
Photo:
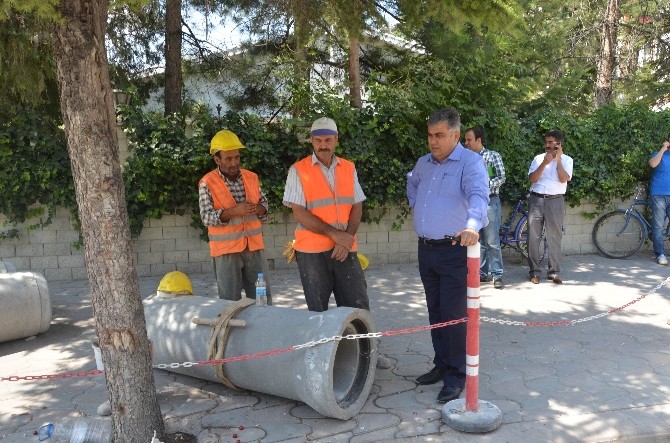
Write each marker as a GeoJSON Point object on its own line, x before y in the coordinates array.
{"type": "Point", "coordinates": [450, 196]}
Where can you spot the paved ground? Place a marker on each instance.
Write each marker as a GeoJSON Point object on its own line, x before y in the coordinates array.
{"type": "Point", "coordinates": [606, 379]}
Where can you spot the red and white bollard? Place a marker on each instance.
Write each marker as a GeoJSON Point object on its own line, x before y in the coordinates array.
{"type": "Point", "coordinates": [472, 343]}
{"type": "Point", "coordinates": [471, 414]}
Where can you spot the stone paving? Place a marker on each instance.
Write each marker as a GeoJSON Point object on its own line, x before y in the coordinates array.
{"type": "Point", "coordinates": [605, 379]}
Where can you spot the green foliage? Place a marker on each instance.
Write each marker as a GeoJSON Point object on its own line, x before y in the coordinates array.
{"type": "Point", "coordinates": [169, 154]}
{"type": "Point", "coordinates": [35, 176]}
{"type": "Point", "coordinates": [610, 148]}
{"type": "Point", "coordinates": [27, 69]}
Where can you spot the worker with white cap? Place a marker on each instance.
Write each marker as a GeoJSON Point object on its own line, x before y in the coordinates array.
{"type": "Point", "coordinates": [326, 198]}
{"type": "Point", "coordinates": [232, 206]}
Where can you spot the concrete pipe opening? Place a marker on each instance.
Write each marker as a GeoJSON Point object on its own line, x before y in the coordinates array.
{"type": "Point", "coordinates": [351, 365]}
{"type": "Point", "coordinates": [334, 378]}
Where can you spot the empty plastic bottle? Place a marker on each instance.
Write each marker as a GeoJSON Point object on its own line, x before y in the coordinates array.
{"type": "Point", "coordinates": [77, 430]}
{"type": "Point", "coordinates": [261, 294]}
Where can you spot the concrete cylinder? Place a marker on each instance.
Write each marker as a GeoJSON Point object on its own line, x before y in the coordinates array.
{"type": "Point", "coordinates": [6, 266]}
{"type": "Point", "coordinates": [25, 305]}
{"type": "Point", "coordinates": [334, 378]}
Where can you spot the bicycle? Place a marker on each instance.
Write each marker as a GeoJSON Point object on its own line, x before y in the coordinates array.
{"type": "Point", "coordinates": [622, 232]}
{"type": "Point", "coordinates": [514, 234]}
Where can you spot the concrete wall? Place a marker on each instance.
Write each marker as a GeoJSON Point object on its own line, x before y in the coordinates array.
{"type": "Point", "coordinates": [170, 243]}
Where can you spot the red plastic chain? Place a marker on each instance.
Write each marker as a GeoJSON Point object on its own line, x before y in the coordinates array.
{"type": "Point", "coordinates": [245, 357]}
{"type": "Point", "coordinates": [423, 328]}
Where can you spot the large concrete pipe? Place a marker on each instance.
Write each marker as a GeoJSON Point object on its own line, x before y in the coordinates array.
{"type": "Point", "coordinates": [334, 378]}
{"type": "Point", "coordinates": [25, 305]}
{"type": "Point", "coordinates": [6, 266]}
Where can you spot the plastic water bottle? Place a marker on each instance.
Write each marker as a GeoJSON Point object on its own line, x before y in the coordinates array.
{"type": "Point", "coordinates": [78, 430]}
{"type": "Point", "coordinates": [261, 294]}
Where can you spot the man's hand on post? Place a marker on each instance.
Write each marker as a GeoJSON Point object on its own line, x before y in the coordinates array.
{"type": "Point", "coordinates": [469, 237]}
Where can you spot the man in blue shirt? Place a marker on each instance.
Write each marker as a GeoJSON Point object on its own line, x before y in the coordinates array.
{"type": "Point", "coordinates": [659, 199]}
{"type": "Point", "coordinates": [448, 191]}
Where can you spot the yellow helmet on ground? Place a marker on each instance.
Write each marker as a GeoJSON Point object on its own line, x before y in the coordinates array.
{"type": "Point", "coordinates": [363, 260]}
{"type": "Point", "coordinates": [224, 141]}
{"type": "Point", "coordinates": [175, 283]}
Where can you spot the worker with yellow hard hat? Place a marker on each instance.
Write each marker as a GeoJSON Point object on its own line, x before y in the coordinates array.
{"type": "Point", "coordinates": [233, 207]}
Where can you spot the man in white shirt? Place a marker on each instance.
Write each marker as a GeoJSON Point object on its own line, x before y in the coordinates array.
{"type": "Point", "coordinates": [549, 174]}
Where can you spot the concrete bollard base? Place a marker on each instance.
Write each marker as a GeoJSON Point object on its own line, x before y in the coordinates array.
{"type": "Point", "coordinates": [488, 417]}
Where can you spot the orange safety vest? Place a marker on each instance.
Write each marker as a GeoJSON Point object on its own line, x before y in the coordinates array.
{"type": "Point", "coordinates": [331, 207]}
{"type": "Point", "coordinates": [239, 232]}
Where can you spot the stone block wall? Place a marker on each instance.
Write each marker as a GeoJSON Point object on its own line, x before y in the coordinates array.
{"type": "Point", "coordinates": [170, 243]}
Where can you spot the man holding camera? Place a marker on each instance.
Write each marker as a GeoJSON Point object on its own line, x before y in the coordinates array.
{"type": "Point", "coordinates": [659, 199]}
{"type": "Point", "coordinates": [549, 174]}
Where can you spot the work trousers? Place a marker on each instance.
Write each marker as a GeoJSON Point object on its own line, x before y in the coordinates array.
{"type": "Point", "coordinates": [321, 275]}
{"type": "Point", "coordinates": [237, 271]}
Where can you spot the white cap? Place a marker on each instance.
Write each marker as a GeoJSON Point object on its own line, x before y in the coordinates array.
{"type": "Point", "coordinates": [324, 126]}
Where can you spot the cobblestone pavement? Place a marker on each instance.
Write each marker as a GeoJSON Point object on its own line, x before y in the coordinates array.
{"type": "Point", "coordinates": [606, 379]}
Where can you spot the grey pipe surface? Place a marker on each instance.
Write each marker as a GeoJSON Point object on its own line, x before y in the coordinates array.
{"type": "Point", "coordinates": [25, 305]}
{"type": "Point", "coordinates": [334, 378]}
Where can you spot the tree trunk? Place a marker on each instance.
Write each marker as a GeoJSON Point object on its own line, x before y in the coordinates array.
{"type": "Point", "coordinates": [301, 68]}
{"type": "Point", "coordinates": [173, 56]}
{"type": "Point", "coordinates": [89, 119]}
{"type": "Point", "coordinates": [354, 74]}
{"type": "Point", "coordinates": [606, 57]}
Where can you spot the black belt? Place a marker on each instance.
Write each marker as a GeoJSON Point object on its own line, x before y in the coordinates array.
{"type": "Point", "coordinates": [446, 241]}
{"type": "Point", "coordinates": [546, 196]}
{"type": "Point", "coordinates": [493, 195]}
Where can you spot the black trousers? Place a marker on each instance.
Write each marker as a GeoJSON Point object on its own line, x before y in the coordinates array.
{"type": "Point", "coordinates": [444, 274]}
{"type": "Point", "coordinates": [321, 275]}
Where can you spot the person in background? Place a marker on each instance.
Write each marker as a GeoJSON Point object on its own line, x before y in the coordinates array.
{"type": "Point", "coordinates": [233, 206]}
{"type": "Point", "coordinates": [489, 237]}
{"type": "Point", "coordinates": [549, 174]}
{"type": "Point", "coordinates": [659, 199]}
{"type": "Point", "coordinates": [448, 190]}
{"type": "Point", "coordinates": [326, 198]}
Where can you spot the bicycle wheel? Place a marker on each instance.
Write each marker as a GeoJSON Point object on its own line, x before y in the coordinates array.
{"type": "Point", "coordinates": [618, 234]}
{"type": "Point", "coordinates": [521, 234]}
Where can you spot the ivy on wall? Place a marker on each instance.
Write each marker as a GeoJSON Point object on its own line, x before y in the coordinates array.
{"type": "Point", "coordinates": [170, 154]}
{"type": "Point", "coordinates": [35, 176]}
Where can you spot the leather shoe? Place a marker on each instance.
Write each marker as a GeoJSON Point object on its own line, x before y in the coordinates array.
{"type": "Point", "coordinates": [448, 393]}
{"type": "Point", "coordinates": [535, 279]}
{"type": "Point", "coordinates": [430, 377]}
{"type": "Point", "coordinates": [555, 278]}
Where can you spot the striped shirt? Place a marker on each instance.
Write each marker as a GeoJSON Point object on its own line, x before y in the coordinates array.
{"type": "Point", "coordinates": [211, 216]}
{"type": "Point", "coordinates": [293, 193]}
{"type": "Point", "coordinates": [494, 160]}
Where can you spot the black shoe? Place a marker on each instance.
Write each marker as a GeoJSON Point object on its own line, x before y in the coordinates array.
{"type": "Point", "coordinates": [498, 283]}
{"type": "Point", "coordinates": [555, 278]}
{"type": "Point", "coordinates": [431, 377]}
{"type": "Point", "coordinates": [484, 278]}
{"type": "Point", "coordinates": [448, 393]}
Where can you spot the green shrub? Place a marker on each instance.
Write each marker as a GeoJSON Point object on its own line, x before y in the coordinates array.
{"type": "Point", "coordinates": [170, 154]}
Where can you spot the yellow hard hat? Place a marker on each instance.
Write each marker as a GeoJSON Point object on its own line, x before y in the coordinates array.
{"type": "Point", "coordinates": [177, 283]}
{"type": "Point", "coordinates": [224, 141]}
{"type": "Point", "coordinates": [363, 260]}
